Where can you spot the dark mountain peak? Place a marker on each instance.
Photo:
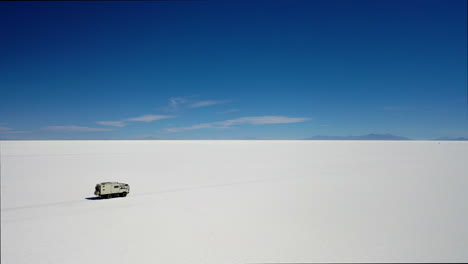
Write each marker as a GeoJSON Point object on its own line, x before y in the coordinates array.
{"type": "Point", "coordinates": [453, 138]}
{"type": "Point", "coordinates": [371, 136]}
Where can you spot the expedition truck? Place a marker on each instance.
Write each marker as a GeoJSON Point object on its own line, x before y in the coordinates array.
{"type": "Point", "coordinates": [111, 189]}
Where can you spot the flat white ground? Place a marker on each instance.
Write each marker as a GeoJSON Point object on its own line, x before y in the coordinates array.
{"type": "Point", "coordinates": [235, 201]}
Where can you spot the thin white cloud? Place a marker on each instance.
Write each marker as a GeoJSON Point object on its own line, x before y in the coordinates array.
{"type": "Point", "coordinates": [112, 123]}
{"type": "Point", "coordinates": [199, 126]}
{"type": "Point", "coordinates": [144, 118]}
{"type": "Point", "coordinates": [14, 132]}
{"type": "Point", "coordinates": [253, 120]}
{"type": "Point", "coordinates": [175, 103]}
{"type": "Point", "coordinates": [207, 103]}
{"type": "Point", "coordinates": [75, 128]}
{"type": "Point", "coordinates": [149, 118]}
{"type": "Point", "coordinates": [229, 111]}
{"type": "Point", "coordinates": [9, 130]}
{"type": "Point", "coordinates": [261, 120]}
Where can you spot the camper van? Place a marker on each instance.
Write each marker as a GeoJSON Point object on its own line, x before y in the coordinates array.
{"type": "Point", "coordinates": [111, 189]}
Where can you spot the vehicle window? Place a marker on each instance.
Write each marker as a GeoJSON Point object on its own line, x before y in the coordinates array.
{"type": "Point", "coordinates": [116, 186]}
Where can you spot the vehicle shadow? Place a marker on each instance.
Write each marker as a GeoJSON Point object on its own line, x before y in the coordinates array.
{"type": "Point", "coordinates": [94, 198]}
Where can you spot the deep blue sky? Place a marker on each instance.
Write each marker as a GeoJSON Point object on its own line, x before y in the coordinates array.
{"type": "Point", "coordinates": [233, 69]}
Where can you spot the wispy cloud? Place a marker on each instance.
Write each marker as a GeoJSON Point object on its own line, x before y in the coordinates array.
{"type": "Point", "coordinates": [144, 118]}
{"type": "Point", "coordinates": [175, 103]}
{"type": "Point", "coordinates": [75, 128]}
{"type": "Point", "coordinates": [14, 132]}
{"type": "Point", "coordinates": [229, 111]}
{"type": "Point", "coordinates": [206, 103]}
{"type": "Point", "coordinates": [178, 103]}
{"type": "Point", "coordinates": [199, 126]}
{"type": "Point", "coordinates": [149, 118]}
{"type": "Point", "coordinates": [9, 130]}
{"type": "Point", "coordinates": [112, 123]}
{"type": "Point", "coordinates": [261, 120]}
{"type": "Point", "coordinates": [253, 120]}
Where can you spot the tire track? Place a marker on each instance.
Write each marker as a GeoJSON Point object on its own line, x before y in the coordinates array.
{"type": "Point", "coordinates": [167, 191]}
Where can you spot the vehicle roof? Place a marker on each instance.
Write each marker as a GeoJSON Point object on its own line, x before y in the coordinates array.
{"type": "Point", "coordinates": [111, 183]}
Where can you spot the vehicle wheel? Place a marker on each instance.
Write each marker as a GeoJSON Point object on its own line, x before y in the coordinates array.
{"type": "Point", "coordinates": [109, 196]}
{"type": "Point", "coordinates": [124, 194]}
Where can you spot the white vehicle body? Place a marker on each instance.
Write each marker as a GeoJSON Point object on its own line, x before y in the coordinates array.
{"type": "Point", "coordinates": [110, 189]}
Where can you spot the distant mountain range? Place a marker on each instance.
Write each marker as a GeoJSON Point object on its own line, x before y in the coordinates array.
{"type": "Point", "coordinates": [363, 137]}
{"type": "Point", "coordinates": [453, 139]}
{"type": "Point", "coordinates": [373, 136]}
